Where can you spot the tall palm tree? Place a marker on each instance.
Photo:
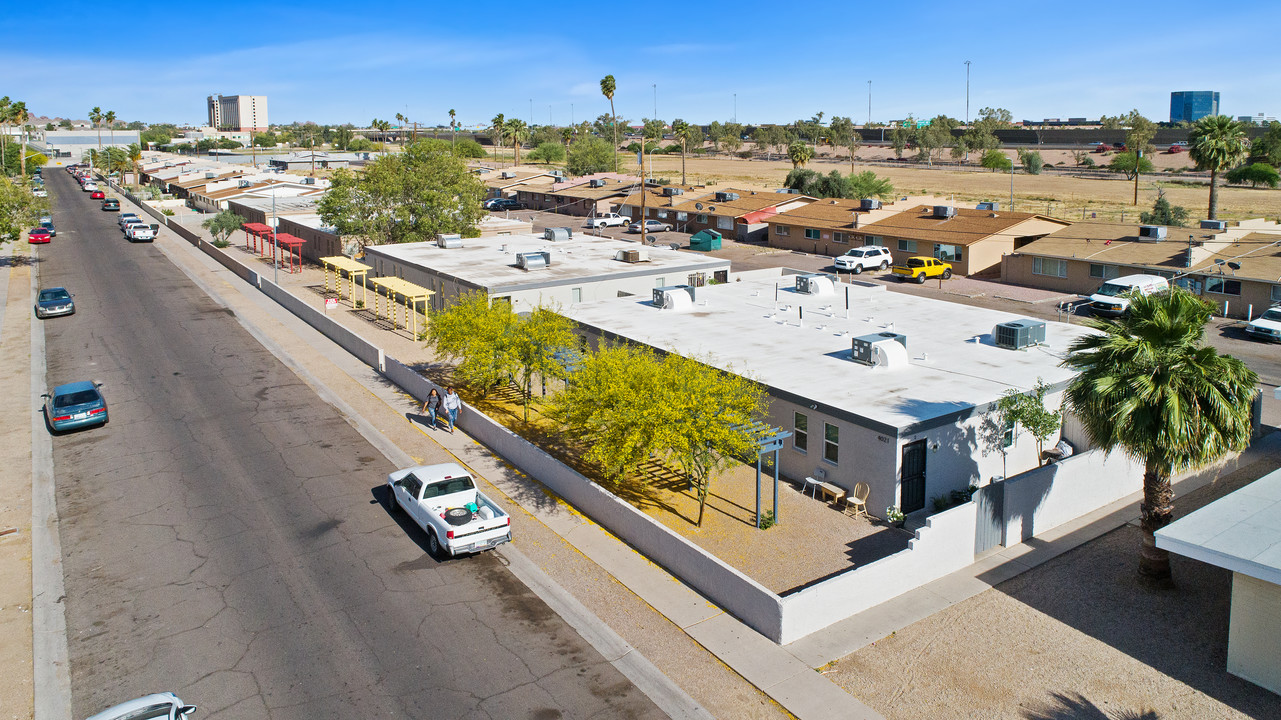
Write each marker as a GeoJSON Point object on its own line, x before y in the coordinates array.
{"type": "Point", "coordinates": [135, 158]}
{"type": "Point", "coordinates": [498, 130]}
{"type": "Point", "coordinates": [5, 109]}
{"type": "Point", "coordinates": [1150, 387]}
{"type": "Point", "coordinates": [403, 122]}
{"type": "Point", "coordinates": [607, 88]}
{"type": "Point", "coordinates": [19, 116]}
{"type": "Point", "coordinates": [1217, 143]}
{"type": "Point", "coordinates": [95, 117]}
{"type": "Point", "coordinates": [518, 131]}
{"type": "Point", "coordinates": [799, 153]}
{"type": "Point", "coordinates": [453, 128]}
{"type": "Point", "coordinates": [681, 130]}
{"type": "Point", "coordinates": [110, 119]}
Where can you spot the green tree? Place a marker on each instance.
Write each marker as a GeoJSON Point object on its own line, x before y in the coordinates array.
{"type": "Point", "coordinates": [548, 152]}
{"type": "Point", "coordinates": [95, 117]}
{"type": "Point", "coordinates": [1124, 163]}
{"type": "Point", "coordinates": [867, 185]}
{"type": "Point", "coordinates": [453, 126]}
{"type": "Point", "coordinates": [589, 155]}
{"type": "Point", "coordinates": [498, 131]}
{"type": "Point", "coordinates": [1256, 174]}
{"type": "Point", "coordinates": [1026, 412]}
{"type": "Point", "coordinates": [536, 344]}
{"type": "Point", "coordinates": [19, 209]}
{"type": "Point", "coordinates": [607, 88]}
{"type": "Point", "coordinates": [1032, 161]}
{"type": "Point", "coordinates": [682, 131]}
{"type": "Point", "coordinates": [996, 160]}
{"type": "Point", "coordinates": [360, 144]}
{"type": "Point", "coordinates": [800, 154]}
{"type": "Point", "coordinates": [410, 197]}
{"type": "Point", "coordinates": [473, 332]}
{"type": "Point", "coordinates": [267, 139]}
{"type": "Point", "coordinates": [222, 225]}
{"type": "Point", "coordinates": [48, 127]}
{"type": "Point", "coordinates": [1149, 386]}
{"type": "Point", "coordinates": [1141, 132]}
{"type": "Point", "coordinates": [1217, 143]}
{"type": "Point", "coordinates": [343, 135]}
{"type": "Point", "coordinates": [995, 118]}
{"type": "Point", "coordinates": [1164, 214]}
{"type": "Point", "coordinates": [1267, 147]}
{"type": "Point", "coordinates": [518, 132]}
{"type": "Point", "coordinates": [899, 139]}
{"type": "Point", "coordinates": [110, 119]}
{"type": "Point", "coordinates": [468, 148]}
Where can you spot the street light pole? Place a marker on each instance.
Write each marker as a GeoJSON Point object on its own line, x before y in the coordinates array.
{"type": "Point", "coordinates": [275, 244]}
{"type": "Point", "coordinates": [967, 92]}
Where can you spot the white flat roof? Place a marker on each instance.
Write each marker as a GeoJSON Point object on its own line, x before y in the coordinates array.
{"type": "Point", "coordinates": [482, 262]}
{"type": "Point", "coordinates": [738, 326]}
{"type": "Point", "coordinates": [1240, 531]}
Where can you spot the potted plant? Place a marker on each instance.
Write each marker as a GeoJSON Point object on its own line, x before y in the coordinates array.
{"type": "Point", "coordinates": [895, 516]}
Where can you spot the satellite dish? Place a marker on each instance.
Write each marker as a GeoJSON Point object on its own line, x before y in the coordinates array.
{"type": "Point", "coordinates": [698, 206]}
{"type": "Point", "coordinates": [711, 208]}
{"type": "Point", "coordinates": [1234, 265]}
{"type": "Point", "coordinates": [1219, 261]}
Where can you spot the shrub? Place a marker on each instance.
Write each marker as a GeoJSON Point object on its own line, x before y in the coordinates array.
{"type": "Point", "coordinates": [468, 148]}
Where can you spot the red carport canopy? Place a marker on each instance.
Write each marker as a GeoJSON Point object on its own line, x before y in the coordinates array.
{"type": "Point", "coordinates": [256, 231]}
{"type": "Point", "coordinates": [294, 256]}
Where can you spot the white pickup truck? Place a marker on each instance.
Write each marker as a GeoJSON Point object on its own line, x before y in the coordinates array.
{"type": "Point", "coordinates": [608, 220]}
{"type": "Point", "coordinates": [445, 503]}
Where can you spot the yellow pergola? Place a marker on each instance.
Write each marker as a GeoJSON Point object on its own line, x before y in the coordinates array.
{"type": "Point", "coordinates": [412, 295]}
{"type": "Point", "coordinates": [340, 264]}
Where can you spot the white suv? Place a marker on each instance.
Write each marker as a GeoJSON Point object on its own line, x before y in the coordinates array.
{"type": "Point", "coordinates": [868, 257]}
{"type": "Point", "coordinates": [1267, 326]}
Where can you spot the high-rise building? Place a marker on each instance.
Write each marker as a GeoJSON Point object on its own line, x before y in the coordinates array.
{"type": "Point", "coordinates": [1192, 105]}
{"type": "Point", "coordinates": [238, 113]}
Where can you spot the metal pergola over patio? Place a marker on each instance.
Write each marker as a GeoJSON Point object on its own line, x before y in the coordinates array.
{"type": "Point", "coordinates": [293, 256]}
{"type": "Point", "coordinates": [768, 440]}
{"type": "Point", "coordinates": [256, 237]}
{"type": "Point", "coordinates": [343, 264]}
{"type": "Point", "coordinates": [413, 294]}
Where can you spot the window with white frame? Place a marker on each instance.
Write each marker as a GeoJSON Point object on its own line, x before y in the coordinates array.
{"type": "Point", "coordinates": [800, 432]}
{"type": "Point", "coordinates": [725, 223]}
{"type": "Point", "coordinates": [1049, 266]}
{"type": "Point", "coordinates": [576, 294]}
{"type": "Point", "coordinates": [811, 234]}
{"type": "Point", "coordinates": [782, 230]}
{"type": "Point", "coordinates": [831, 442]}
{"type": "Point", "coordinates": [682, 217]}
{"type": "Point", "coordinates": [660, 282]}
{"type": "Point", "coordinates": [907, 245]}
{"type": "Point", "coordinates": [1222, 286]}
{"type": "Point", "coordinates": [1105, 272]}
{"type": "Point", "coordinates": [1007, 434]}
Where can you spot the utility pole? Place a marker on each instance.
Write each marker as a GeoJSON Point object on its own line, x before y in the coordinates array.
{"type": "Point", "coordinates": [967, 92]}
{"type": "Point", "coordinates": [1011, 185]}
{"type": "Point", "coordinates": [735, 117]}
{"type": "Point", "coordinates": [869, 104]}
{"type": "Point", "coordinates": [1138, 160]}
{"type": "Point", "coordinates": [655, 101]}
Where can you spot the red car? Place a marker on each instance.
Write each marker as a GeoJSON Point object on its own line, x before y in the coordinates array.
{"type": "Point", "coordinates": [97, 195]}
{"type": "Point", "coordinates": [38, 235]}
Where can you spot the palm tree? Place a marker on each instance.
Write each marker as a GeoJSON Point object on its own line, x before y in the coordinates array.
{"type": "Point", "coordinates": [19, 116]}
{"type": "Point", "coordinates": [498, 130]}
{"type": "Point", "coordinates": [682, 131]}
{"type": "Point", "coordinates": [518, 131]}
{"type": "Point", "coordinates": [1217, 143]}
{"type": "Point", "coordinates": [453, 128]}
{"type": "Point", "coordinates": [5, 109]}
{"type": "Point", "coordinates": [95, 117]}
{"type": "Point", "coordinates": [403, 122]}
{"type": "Point", "coordinates": [799, 153]}
{"type": "Point", "coordinates": [135, 158]}
{"type": "Point", "coordinates": [110, 119]}
{"type": "Point", "coordinates": [607, 88]}
{"type": "Point", "coordinates": [1150, 386]}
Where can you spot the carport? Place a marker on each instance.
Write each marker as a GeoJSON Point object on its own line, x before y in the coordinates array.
{"type": "Point", "coordinates": [343, 264]}
{"type": "Point", "coordinates": [293, 257]}
{"type": "Point", "coordinates": [412, 294]}
{"type": "Point", "coordinates": [256, 237]}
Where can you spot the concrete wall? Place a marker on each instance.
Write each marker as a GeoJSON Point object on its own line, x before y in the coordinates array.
{"type": "Point", "coordinates": [1254, 633]}
{"type": "Point", "coordinates": [944, 545]}
{"type": "Point", "coordinates": [364, 350]}
{"type": "Point", "coordinates": [1043, 499]}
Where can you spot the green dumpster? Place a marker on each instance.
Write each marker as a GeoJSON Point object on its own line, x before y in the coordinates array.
{"type": "Point", "coordinates": [705, 240]}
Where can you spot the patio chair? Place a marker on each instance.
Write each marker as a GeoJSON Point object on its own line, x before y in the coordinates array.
{"type": "Point", "coordinates": [856, 503]}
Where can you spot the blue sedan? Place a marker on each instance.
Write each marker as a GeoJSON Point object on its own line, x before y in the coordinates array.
{"type": "Point", "coordinates": [54, 301]}
{"type": "Point", "coordinates": [75, 405]}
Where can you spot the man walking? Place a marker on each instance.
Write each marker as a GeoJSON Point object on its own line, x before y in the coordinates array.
{"type": "Point", "coordinates": [452, 404]}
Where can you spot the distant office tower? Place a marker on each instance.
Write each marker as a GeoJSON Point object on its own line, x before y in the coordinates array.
{"type": "Point", "coordinates": [1192, 105]}
{"type": "Point", "coordinates": [238, 113]}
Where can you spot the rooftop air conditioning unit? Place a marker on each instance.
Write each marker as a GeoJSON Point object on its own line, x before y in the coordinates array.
{"type": "Point", "coordinates": [596, 183]}
{"type": "Point", "coordinates": [994, 206]}
{"type": "Point", "coordinates": [309, 181]}
{"type": "Point", "coordinates": [556, 173]}
{"type": "Point", "coordinates": [243, 183]}
{"type": "Point", "coordinates": [1151, 233]}
{"type": "Point", "coordinates": [869, 204]}
{"type": "Point", "coordinates": [557, 233]}
{"type": "Point", "coordinates": [670, 191]}
{"type": "Point", "coordinates": [632, 256]}
{"type": "Point", "coordinates": [815, 285]}
{"type": "Point", "coordinates": [1214, 225]}
{"type": "Point", "coordinates": [726, 197]}
{"type": "Point", "coordinates": [1019, 334]}
{"type": "Point", "coordinates": [861, 347]}
{"type": "Point", "coordinates": [445, 240]}
{"type": "Point", "coordinates": [506, 175]}
{"type": "Point", "coordinates": [210, 176]}
{"type": "Point", "coordinates": [533, 260]}
{"type": "Point", "coordinates": [944, 211]}
{"type": "Point", "coordinates": [674, 297]}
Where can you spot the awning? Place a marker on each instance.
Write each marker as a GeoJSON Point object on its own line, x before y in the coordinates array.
{"type": "Point", "coordinates": [759, 216]}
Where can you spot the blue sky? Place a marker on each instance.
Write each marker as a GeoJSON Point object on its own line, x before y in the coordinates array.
{"type": "Point", "coordinates": [347, 62]}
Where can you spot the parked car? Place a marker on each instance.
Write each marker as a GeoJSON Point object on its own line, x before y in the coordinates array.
{"type": "Point", "coordinates": [110, 204]}
{"type": "Point", "coordinates": [650, 226]}
{"type": "Point", "coordinates": [48, 225]}
{"type": "Point", "coordinates": [124, 218]}
{"type": "Point", "coordinates": [89, 186]}
{"type": "Point", "coordinates": [918, 269]}
{"type": "Point", "coordinates": [140, 232]}
{"type": "Point", "coordinates": [444, 502]}
{"type": "Point", "coordinates": [1113, 296]}
{"type": "Point", "coordinates": [869, 257]}
{"type": "Point", "coordinates": [503, 204]}
{"type": "Point", "coordinates": [1119, 147]}
{"type": "Point", "coordinates": [75, 405]}
{"type": "Point", "coordinates": [608, 220]}
{"type": "Point", "coordinates": [52, 302]}
{"type": "Point", "coordinates": [39, 191]}
{"type": "Point", "coordinates": [157, 706]}
{"type": "Point", "coordinates": [39, 235]}
{"type": "Point", "coordinates": [1267, 326]}
{"type": "Point", "coordinates": [97, 195]}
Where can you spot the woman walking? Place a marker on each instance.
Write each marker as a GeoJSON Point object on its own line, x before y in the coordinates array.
{"type": "Point", "coordinates": [452, 404]}
{"type": "Point", "coordinates": [430, 405]}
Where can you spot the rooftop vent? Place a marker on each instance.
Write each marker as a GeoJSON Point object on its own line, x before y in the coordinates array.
{"type": "Point", "coordinates": [1019, 334]}
{"type": "Point", "coordinates": [632, 256]}
{"type": "Point", "coordinates": [1151, 233]}
{"type": "Point", "coordinates": [533, 260]}
{"type": "Point", "coordinates": [726, 196]}
{"type": "Point", "coordinates": [869, 204]}
{"type": "Point", "coordinates": [815, 285]}
{"type": "Point", "coordinates": [596, 183]}
{"type": "Point", "coordinates": [674, 297]}
{"type": "Point", "coordinates": [1214, 225]}
{"type": "Point", "coordinates": [670, 191]}
{"type": "Point", "coordinates": [210, 176]}
{"type": "Point", "coordinates": [993, 206]}
{"type": "Point", "coordinates": [243, 183]}
{"type": "Point", "coordinates": [944, 211]}
{"type": "Point", "coordinates": [556, 173]}
{"type": "Point", "coordinates": [861, 349]}
{"type": "Point", "coordinates": [557, 233]}
{"type": "Point", "coordinates": [507, 175]}
{"type": "Point", "coordinates": [309, 181]}
{"type": "Point", "coordinates": [446, 240]}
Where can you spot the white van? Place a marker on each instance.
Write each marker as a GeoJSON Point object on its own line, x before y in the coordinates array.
{"type": "Point", "coordinates": [1113, 297]}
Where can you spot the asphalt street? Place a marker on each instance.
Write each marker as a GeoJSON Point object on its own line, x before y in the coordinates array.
{"type": "Point", "coordinates": [226, 536]}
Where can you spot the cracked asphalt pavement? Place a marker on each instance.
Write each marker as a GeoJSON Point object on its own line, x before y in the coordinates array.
{"type": "Point", "coordinates": [226, 536]}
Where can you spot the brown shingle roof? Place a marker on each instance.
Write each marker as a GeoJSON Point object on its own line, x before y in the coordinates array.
{"type": "Point", "coordinates": [1117, 244]}
{"type": "Point", "coordinates": [831, 213]}
{"type": "Point", "coordinates": [965, 228]}
{"type": "Point", "coordinates": [748, 201]}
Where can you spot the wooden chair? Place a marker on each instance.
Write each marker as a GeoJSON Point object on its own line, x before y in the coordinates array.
{"type": "Point", "coordinates": [856, 503]}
